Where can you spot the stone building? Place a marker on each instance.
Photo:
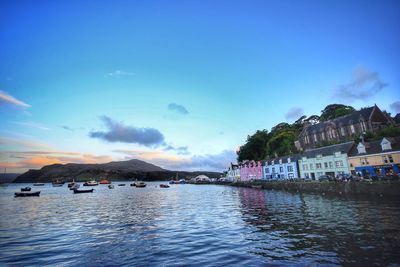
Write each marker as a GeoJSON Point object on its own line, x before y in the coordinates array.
{"type": "Point", "coordinates": [340, 129]}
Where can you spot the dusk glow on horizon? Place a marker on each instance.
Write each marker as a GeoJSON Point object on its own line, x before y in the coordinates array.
{"type": "Point", "coordinates": [181, 84]}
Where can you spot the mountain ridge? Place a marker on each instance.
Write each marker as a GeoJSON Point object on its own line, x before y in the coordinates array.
{"type": "Point", "coordinates": [114, 170]}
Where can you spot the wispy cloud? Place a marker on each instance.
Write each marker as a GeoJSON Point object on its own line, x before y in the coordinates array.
{"type": "Point", "coordinates": [395, 106]}
{"type": "Point", "coordinates": [32, 124]}
{"type": "Point", "coordinates": [364, 84]}
{"type": "Point", "coordinates": [294, 113]}
{"type": "Point", "coordinates": [178, 108]}
{"type": "Point", "coordinates": [119, 132]}
{"type": "Point", "coordinates": [10, 100]}
{"type": "Point", "coordinates": [182, 150]}
{"type": "Point", "coordinates": [117, 73]}
{"type": "Point", "coordinates": [209, 162]}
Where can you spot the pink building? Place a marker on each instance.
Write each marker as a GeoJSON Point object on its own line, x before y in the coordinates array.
{"type": "Point", "coordinates": [251, 170]}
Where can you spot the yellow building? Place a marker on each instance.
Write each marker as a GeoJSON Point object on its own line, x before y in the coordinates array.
{"type": "Point", "coordinates": [380, 157]}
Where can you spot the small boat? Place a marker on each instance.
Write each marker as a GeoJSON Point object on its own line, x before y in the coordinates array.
{"type": "Point", "coordinates": [111, 186]}
{"type": "Point", "coordinates": [77, 191]}
{"type": "Point", "coordinates": [71, 184]}
{"type": "Point", "coordinates": [27, 194]}
{"type": "Point", "coordinates": [182, 181]}
{"type": "Point", "coordinates": [75, 186]}
{"type": "Point", "coordinates": [38, 184]}
{"type": "Point", "coordinates": [25, 189]}
{"type": "Point", "coordinates": [58, 183]}
{"type": "Point", "coordinates": [140, 184]}
{"type": "Point", "coordinates": [133, 184]}
{"type": "Point", "coordinates": [91, 183]}
{"type": "Point", "coordinates": [172, 182]}
{"type": "Point", "coordinates": [121, 184]}
{"type": "Point", "coordinates": [105, 182]}
{"type": "Point", "coordinates": [164, 186]}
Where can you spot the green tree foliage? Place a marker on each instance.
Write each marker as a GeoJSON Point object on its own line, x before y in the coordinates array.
{"type": "Point", "coordinates": [254, 148]}
{"type": "Point", "coordinates": [333, 111]}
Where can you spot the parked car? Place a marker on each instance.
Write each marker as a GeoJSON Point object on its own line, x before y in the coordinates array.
{"type": "Point", "coordinates": [325, 178]}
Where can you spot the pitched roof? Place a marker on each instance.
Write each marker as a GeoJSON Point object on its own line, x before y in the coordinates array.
{"type": "Point", "coordinates": [374, 147]}
{"type": "Point", "coordinates": [365, 113]}
{"type": "Point", "coordinates": [283, 158]}
{"type": "Point", "coordinates": [329, 150]}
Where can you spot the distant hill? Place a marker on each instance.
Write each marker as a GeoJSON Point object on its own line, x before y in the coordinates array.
{"type": "Point", "coordinates": [8, 177]}
{"type": "Point", "coordinates": [116, 170]}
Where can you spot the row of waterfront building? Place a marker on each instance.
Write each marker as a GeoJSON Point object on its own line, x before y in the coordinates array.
{"type": "Point", "coordinates": [381, 157]}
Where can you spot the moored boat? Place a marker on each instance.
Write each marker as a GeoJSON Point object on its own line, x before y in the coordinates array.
{"type": "Point", "coordinates": [164, 186]}
{"type": "Point", "coordinates": [57, 183]}
{"type": "Point", "coordinates": [105, 182]}
{"type": "Point", "coordinates": [27, 194]}
{"type": "Point", "coordinates": [77, 191]}
{"type": "Point", "coordinates": [72, 184]}
{"type": "Point", "coordinates": [111, 186]}
{"type": "Point", "coordinates": [140, 184]}
{"type": "Point", "coordinates": [75, 186]}
{"type": "Point", "coordinates": [121, 184]}
{"type": "Point", "coordinates": [25, 189]}
{"type": "Point", "coordinates": [38, 184]}
{"type": "Point", "coordinates": [91, 183]}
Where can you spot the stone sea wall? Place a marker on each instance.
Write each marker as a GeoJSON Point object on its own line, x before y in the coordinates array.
{"type": "Point", "coordinates": [380, 188]}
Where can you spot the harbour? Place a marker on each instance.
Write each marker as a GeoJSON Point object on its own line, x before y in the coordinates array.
{"type": "Point", "coordinates": [195, 225]}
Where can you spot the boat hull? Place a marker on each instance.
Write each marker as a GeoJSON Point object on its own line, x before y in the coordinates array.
{"type": "Point", "coordinates": [26, 194]}
{"type": "Point", "coordinates": [77, 191]}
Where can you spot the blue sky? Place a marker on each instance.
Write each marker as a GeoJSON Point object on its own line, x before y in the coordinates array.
{"type": "Point", "coordinates": [182, 83]}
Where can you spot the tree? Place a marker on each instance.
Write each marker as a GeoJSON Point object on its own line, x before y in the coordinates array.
{"type": "Point", "coordinates": [333, 111]}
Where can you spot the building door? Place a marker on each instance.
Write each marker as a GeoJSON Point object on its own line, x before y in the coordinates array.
{"type": "Point", "coordinates": [313, 176]}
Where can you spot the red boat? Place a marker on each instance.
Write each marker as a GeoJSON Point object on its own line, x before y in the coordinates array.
{"type": "Point", "coordinates": [105, 182]}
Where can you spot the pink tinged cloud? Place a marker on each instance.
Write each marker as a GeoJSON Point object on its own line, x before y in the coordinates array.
{"type": "Point", "coordinates": [6, 99]}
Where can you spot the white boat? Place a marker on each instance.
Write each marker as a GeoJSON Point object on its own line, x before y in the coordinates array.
{"type": "Point", "coordinates": [74, 186]}
{"type": "Point", "coordinates": [140, 184]}
{"type": "Point", "coordinates": [111, 186]}
{"type": "Point", "coordinates": [91, 183]}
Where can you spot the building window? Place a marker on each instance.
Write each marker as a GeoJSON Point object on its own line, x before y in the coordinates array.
{"type": "Point", "coordinates": [323, 136]}
{"type": "Point", "coordinates": [289, 168]}
{"type": "Point", "coordinates": [390, 158]}
{"type": "Point", "coordinates": [273, 169]}
{"type": "Point", "coordinates": [363, 161]}
{"type": "Point", "coordinates": [337, 154]}
{"type": "Point", "coordinates": [288, 160]}
{"type": "Point", "coordinates": [330, 164]}
{"type": "Point", "coordinates": [305, 167]}
{"type": "Point", "coordinates": [319, 174]}
{"type": "Point", "coordinates": [280, 169]}
{"type": "Point", "coordinates": [325, 165]}
{"type": "Point", "coordinates": [311, 166]}
{"type": "Point", "coordinates": [266, 170]}
{"type": "Point", "coordinates": [290, 175]}
{"type": "Point", "coordinates": [342, 131]}
{"type": "Point", "coordinates": [315, 137]}
{"type": "Point", "coordinates": [339, 163]}
{"type": "Point", "coordinates": [318, 165]}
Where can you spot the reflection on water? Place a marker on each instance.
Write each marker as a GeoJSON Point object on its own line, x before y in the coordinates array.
{"type": "Point", "coordinates": [195, 225]}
